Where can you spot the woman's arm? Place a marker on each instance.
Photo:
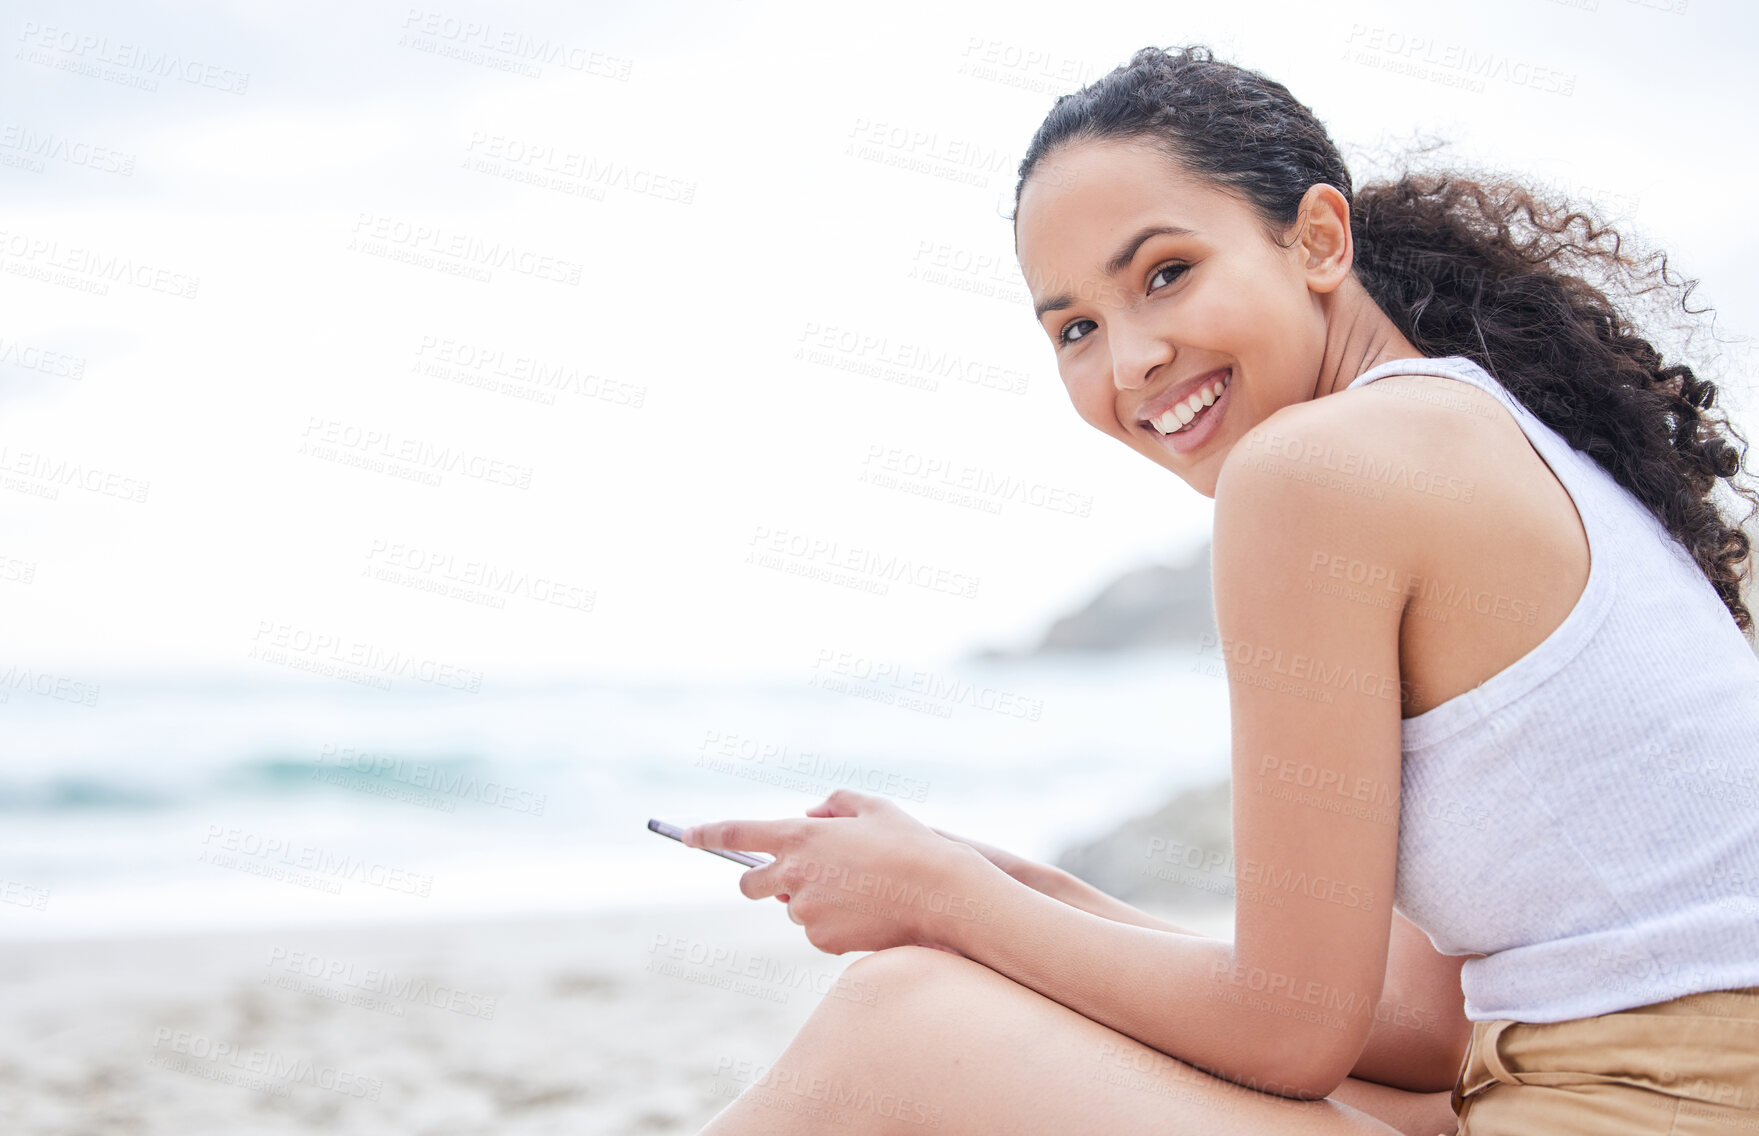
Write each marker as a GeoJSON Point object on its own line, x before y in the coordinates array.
{"type": "Point", "coordinates": [1077, 892]}
{"type": "Point", "coordinates": [860, 874]}
{"type": "Point", "coordinates": [1187, 995]}
{"type": "Point", "coordinates": [1315, 697]}
{"type": "Point", "coordinates": [1420, 1026]}
{"type": "Point", "coordinates": [1064, 886]}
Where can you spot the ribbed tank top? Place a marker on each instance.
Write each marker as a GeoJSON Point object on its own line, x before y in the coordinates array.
{"type": "Point", "coordinates": [1588, 817]}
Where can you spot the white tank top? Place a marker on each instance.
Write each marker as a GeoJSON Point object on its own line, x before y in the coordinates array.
{"type": "Point", "coordinates": [1588, 818]}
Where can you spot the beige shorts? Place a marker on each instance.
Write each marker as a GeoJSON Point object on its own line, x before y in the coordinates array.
{"type": "Point", "coordinates": [1689, 1067]}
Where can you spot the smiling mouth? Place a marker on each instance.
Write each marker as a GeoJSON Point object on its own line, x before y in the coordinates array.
{"type": "Point", "coordinates": [1183, 415]}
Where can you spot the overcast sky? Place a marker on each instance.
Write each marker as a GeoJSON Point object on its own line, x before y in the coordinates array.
{"type": "Point", "coordinates": [751, 305]}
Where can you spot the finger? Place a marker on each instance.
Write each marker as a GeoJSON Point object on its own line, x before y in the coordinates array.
{"type": "Point", "coordinates": [741, 835]}
{"type": "Point", "coordinates": [757, 883]}
{"type": "Point", "coordinates": [847, 803]}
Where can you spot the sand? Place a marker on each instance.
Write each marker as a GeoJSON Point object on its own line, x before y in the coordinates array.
{"type": "Point", "coordinates": [637, 1021]}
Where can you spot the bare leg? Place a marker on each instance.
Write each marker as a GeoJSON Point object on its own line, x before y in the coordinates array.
{"type": "Point", "coordinates": [948, 1045]}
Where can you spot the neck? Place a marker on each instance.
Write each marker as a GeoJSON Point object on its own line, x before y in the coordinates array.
{"type": "Point", "coordinates": [1358, 337]}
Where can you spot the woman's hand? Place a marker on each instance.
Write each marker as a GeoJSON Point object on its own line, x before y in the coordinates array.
{"type": "Point", "coordinates": [859, 874]}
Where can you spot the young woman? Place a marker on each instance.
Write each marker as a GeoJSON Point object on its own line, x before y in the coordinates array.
{"type": "Point", "coordinates": [1482, 625]}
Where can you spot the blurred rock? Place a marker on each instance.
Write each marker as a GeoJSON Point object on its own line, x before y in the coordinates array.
{"type": "Point", "coordinates": [1181, 855]}
{"type": "Point", "coordinates": [1147, 607]}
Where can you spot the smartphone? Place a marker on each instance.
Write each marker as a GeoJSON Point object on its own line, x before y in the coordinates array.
{"type": "Point", "coordinates": [677, 833]}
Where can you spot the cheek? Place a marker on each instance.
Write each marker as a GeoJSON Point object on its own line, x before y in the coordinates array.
{"type": "Point", "coordinates": [1229, 315]}
{"type": "Point", "coordinates": [1092, 399]}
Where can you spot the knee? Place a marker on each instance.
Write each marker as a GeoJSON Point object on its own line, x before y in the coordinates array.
{"type": "Point", "coordinates": [907, 981]}
{"type": "Point", "coordinates": [895, 1009]}
{"type": "Point", "coordinates": [907, 967]}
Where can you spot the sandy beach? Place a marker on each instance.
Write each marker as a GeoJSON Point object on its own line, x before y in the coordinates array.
{"type": "Point", "coordinates": [637, 1021]}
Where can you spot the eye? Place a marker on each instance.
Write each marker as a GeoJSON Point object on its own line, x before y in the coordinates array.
{"type": "Point", "coordinates": [1168, 267]}
{"type": "Point", "coordinates": [1063, 336]}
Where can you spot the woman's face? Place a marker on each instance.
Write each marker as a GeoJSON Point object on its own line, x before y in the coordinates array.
{"type": "Point", "coordinates": [1175, 307]}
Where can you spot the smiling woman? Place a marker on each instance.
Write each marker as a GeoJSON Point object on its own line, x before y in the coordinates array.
{"type": "Point", "coordinates": [1487, 685]}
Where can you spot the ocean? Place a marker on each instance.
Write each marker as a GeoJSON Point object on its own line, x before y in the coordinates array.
{"type": "Point", "coordinates": [170, 804]}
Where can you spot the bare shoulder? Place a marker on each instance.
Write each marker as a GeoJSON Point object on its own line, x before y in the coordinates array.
{"type": "Point", "coordinates": [1382, 455]}
{"type": "Point", "coordinates": [1422, 486]}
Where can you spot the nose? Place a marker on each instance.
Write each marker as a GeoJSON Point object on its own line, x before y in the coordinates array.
{"type": "Point", "coordinates": [1136, 353]}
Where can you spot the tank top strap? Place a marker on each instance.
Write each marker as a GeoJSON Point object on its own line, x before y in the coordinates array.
{"type": "Point", "coordinates": [1565, 460]}
{"type": "Point", "coordinates": [1447, 366]}
{"type": "Point", "coordinates": [1606, 523]}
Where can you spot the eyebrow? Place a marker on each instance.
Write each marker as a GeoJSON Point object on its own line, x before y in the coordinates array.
{"type": "Point", "coordinates": [1120, 261]}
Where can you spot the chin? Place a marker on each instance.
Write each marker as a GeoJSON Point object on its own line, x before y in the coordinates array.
{"type": "Point", "coordinates": [1202, 472]}
{"type": "Point", "coordinates": [1202, 480]}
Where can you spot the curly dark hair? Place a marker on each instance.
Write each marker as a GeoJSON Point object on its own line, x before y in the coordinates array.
{"type": "Point", "coordinates": [1462, 265]}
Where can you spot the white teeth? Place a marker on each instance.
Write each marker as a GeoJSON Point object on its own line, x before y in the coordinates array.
{"type": "Point", "coordinates": [1182, 414]}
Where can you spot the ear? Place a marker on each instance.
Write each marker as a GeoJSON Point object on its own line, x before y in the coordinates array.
{"type": "Point", "coordinates": [1322, 237]}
